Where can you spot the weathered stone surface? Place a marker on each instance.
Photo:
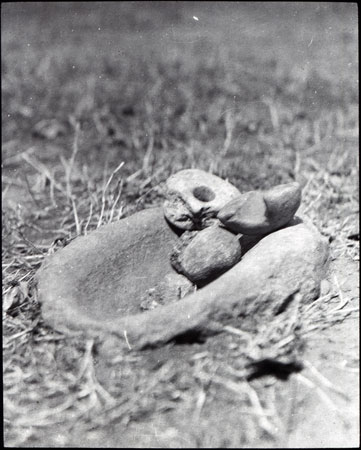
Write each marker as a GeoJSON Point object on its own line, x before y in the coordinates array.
{"type": "Point", "coordinates": [173, 287]}
{"type": "Point", "coordinates": [102, 276]}
{"type": "Point", "coordinates": [95, 283]}
{"type": "Point", "coordinates": [289, 261]}
{"type": "Point", "coordinates": [204, 255]}
{"type": "Point", "coordinates": [258, 212]}
{"type": "Point", "coordinates": [194, 198]}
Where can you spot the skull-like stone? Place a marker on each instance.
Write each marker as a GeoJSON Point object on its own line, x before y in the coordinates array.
{"type": "Point", "coordinates": [194, 197]}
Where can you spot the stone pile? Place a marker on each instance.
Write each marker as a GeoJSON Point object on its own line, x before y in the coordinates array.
{"type": "Point", "coordinates": [213, 215]}
{"type": "Point", "coordinates": [210, 253]}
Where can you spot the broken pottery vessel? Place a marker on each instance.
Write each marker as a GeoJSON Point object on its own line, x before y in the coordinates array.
{"type": "Point", "coordinates": [194, 197]}
{"type": "Point", "coordinates": [95, 283]}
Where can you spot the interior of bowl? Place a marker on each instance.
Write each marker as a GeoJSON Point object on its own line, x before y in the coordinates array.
{"type": "Point", "coordinates": [103, 275]}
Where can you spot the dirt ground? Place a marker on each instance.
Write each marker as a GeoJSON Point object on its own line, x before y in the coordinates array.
{"type": "Point", "coordinates": [334, 352]}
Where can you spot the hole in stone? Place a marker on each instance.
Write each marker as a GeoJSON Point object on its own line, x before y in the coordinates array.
{"type": "Point", "coordinates": [203, 193]}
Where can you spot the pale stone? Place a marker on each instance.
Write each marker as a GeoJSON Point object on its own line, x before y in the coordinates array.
{"type": "Point", "coordinates": [258, 212]}
{"type": "Point", "coordinates": [194, 197]}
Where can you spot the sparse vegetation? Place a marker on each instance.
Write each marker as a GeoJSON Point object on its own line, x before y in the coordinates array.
{"type": "Point", "coordinates": [101, 103]}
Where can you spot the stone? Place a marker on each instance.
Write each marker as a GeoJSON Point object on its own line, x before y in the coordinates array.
{"type": "Point", "coordinates": [102, 276]}
{"type": "Point", "coordinates": [172, 288]}
{"type": "Point", "coordinates": [179, 247]}
{"type": "Point", "coordinates": [93, 286]}
{"type": "Point", "coordinates": [204, 255]}
{"type": "Point", "coordinates": [194, 197]}
{"type": "Point", "coordinates": [285, 265]}
{"type": "Point", "coordinates": [258, 212]}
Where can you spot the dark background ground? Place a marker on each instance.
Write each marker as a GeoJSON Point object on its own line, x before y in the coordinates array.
{"type": "Point", "coordinates": [259, 93]}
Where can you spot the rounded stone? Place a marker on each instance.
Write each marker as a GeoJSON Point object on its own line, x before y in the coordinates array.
{"type": "Point", "coordinates": [194, 197]}
{"type": "Point", "coordinates": [204, 255]}
{"type": "Point", "coordinates": [261, 212]}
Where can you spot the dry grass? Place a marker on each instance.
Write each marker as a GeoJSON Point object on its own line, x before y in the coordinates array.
{"type": "Point", "coordinates": [232, 111]}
